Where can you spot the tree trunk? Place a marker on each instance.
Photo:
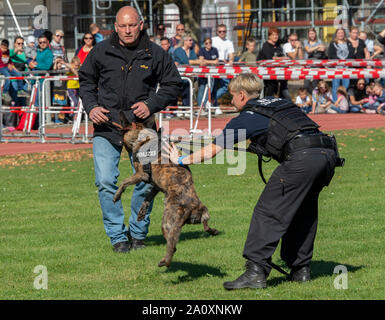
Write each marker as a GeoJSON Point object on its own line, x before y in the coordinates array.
{"type": "Point", "coordinates": [190, 15]}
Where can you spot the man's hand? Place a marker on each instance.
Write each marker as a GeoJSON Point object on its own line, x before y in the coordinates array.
{"type": "Point", "coordinates": [170, 152]}
{"type": "Point", "coordinates": [140, 110]}
{"type": "Point", "coordinates": [97, 115]}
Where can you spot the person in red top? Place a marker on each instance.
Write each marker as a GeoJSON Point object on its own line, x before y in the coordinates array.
{"type": "Point", "coordinates": [88, 42]}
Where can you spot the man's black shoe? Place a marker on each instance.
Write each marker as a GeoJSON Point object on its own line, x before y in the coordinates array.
{"type": "Point", "coordinates": [137, 244]}
{"type": "Point", "coordinates": [300, 275]}
{"type": "Point", "coordinates": [254, 277]}
{"type": "Point", "coordinates": [121, 247]}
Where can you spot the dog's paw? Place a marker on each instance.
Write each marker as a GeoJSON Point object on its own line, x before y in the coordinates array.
{"type": "Point", "coordinates": [117, 197]}
{"type": "Point", "coordinates": [213, 231]}
{"type": "Point", "coordinates": [162, 263]}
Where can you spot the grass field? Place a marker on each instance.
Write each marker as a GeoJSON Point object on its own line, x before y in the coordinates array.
{"type": "Point", "coordinates": [50, 216]}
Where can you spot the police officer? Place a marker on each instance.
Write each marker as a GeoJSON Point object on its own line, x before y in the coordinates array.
{"type": "Point", "coordinates": [287, 208]}
{"type": "Point", "coordinates": [128, 73]}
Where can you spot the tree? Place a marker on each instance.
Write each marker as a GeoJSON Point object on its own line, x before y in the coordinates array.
{"type": "Point", "coordinates": [190, 14]}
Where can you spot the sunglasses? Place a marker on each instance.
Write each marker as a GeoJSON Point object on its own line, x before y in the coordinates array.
{"type": "Point", "coordinates": [222, 31]}
{"type": "Point", "coordinates": [88, 38]}
{"type": "Point", "coordinates": [160, 29]}
{"type": "Point", "coordinates": [42, 42]}
{"type": "Point", "coordinates": [19, 43]}
{"type": "Point", "coordinates": [208, 42]}
{"type": "Point", "coordinates": [59, 35]}
{"type": "Point", "coordinates": [180, 29]}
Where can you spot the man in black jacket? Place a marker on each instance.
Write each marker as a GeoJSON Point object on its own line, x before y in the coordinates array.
{"type": "Point", "coordinates": [126, 72]}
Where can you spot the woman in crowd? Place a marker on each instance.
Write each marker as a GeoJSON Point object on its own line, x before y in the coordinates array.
{"type": "Point", "coordinates": [340, 48]}
{"type": "Point", "coordinates": [374, 49]}
{"type": "Point", "coordinates": [272, 49]}
{"type": "Point", "coordinates": [314, 49]}
{"type": "Point", "coordinates": [208, 55]}
{"type": "Point", "coordinates": [184, 54]}
{"type": "Point", "coordinates": [357, 96]}
{"type": "Point", "coordinates": [88, 42]}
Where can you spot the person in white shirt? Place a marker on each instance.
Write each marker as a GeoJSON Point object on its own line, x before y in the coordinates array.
{"type": "Point", "coordinates": [293, 49]}
{"type": "Point", "coordinates": [225, 49]}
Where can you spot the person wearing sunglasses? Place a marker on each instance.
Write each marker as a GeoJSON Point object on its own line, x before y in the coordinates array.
{"type": "Point", "coordinates": [160, 31]}
{"type": "Point", "coordinates": [88, 42]}
{"type": "Point", "coordinates": [226, 55]}
{"type": "Point", "coordinates": [58, 50]}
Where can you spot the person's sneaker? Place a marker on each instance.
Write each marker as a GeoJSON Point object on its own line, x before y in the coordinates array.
{"type": "Point", "coordinates": [300, 274]}
{"type": "Point", "coordinates": [22, 94]}
{"type": "Point", "coordinates": [218, 111]}
{"type": "Point", "coordinates": [254, 277]}
{"type": "Point", "coordinates": [121, 247]}
{"type": "Point", "coordinates": [136, 244]}
{"type": "Point", "coordinates": [179, 114]}
{"type": "Point", "coordinates": [6, 98]}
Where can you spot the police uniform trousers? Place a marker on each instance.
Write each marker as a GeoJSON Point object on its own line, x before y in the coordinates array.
{"type": "Point", "coordinates": [288, 209]}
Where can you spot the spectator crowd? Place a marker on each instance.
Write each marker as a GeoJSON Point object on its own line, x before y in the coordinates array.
{"type": "Point", "coordinates": [46, 52]}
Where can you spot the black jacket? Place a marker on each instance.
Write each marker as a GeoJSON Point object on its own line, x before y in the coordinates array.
{"type": "Point", "coordinates": [114, 80]}
{"type": "Point", "coordinates": [332, 51]}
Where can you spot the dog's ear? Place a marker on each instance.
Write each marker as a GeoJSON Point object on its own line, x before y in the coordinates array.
{"type": "Point", "coordinates": [123, 120]}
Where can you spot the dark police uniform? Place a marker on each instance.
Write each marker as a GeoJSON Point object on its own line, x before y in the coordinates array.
{"type": "Point", "coordinates": [288, 206]}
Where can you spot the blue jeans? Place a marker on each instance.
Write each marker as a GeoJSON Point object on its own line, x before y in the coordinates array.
{"type": "Point", "coordinates": [106, 161]}
{"type": "Point", "coordinates": [17, 84]}
{"type": "Point", "coordinates": [371, 106]}
{"type": "Point", "coordinates": [220, 90]}
{"type": "Point", "coordinates": [338, 110]}
{"type": "Point", "coordinates": [336, 83]}
{"type": "Point", "coordinates": [354, 108]}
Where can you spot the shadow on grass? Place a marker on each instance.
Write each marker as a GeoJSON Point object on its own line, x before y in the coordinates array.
{"type": "Point", "coordinates": [157, 240]}
{"type": "Point", "coordinates": [319, 269]}
{"type": "Point", "coordinates": [193, 271]}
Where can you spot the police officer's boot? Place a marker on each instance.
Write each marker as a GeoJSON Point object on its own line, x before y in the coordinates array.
{"type": "Point", "coordinates": [254, 277]}
{"type": "Point", "coordinates": [301, 274]}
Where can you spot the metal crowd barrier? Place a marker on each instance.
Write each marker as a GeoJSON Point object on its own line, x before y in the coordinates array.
{"type": "Point", "coordinates": [41, 92]}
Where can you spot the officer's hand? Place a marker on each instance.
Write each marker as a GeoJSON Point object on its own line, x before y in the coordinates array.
{"type": "Point", "coordinates": [97, 115]}
{"type": "Point", "coordinates": [170, 152]}
{"type": "Point", "coordinates": [140, 110]}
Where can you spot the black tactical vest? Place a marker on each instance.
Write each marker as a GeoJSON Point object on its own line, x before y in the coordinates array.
{"type": "Point", "coordinates": [286, 121]}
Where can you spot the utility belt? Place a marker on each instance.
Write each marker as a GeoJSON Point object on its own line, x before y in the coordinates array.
{"type": "Point", "coordinates": [314, 140]}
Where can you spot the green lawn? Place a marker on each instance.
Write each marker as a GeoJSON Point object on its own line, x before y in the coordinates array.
{"type": "Point", "coordinates": [50, 216]}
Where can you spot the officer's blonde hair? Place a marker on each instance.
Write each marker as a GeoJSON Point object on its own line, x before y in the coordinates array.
{"type": "Point", "coordinates": [248, 82]}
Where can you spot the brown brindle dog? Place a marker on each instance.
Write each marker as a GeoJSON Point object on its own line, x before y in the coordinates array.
{"type": "Point", "coordinates": [182, 204]}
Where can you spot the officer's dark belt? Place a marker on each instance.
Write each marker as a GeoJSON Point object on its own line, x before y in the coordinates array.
{"type": "Point", "coordinates": [306, 141]}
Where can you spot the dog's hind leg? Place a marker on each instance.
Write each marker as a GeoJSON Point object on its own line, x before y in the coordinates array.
{"type": "Point", "coordinates": [146, 203]}
{"type": "Point", "coordinates": [136, 178]}
{"type": "Point", "coordinates": [173, 220]}
{"type": "Point", "coordinates": [205, 218]}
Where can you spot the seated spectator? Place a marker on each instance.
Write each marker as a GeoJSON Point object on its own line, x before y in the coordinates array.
{"type": "Point", "coordinates": [225, 49]}
{"type": "Point", "coordinates": [30, 49]}
{"type": "Point", "coordinates": [303, 100]}
{"type": "Point", "coordinates": [322, 98]}
{"type": "Point", "coordinates": [373, 48]}
{"type": "Point", "coordinates": [340, 48]}
{"type": "Point", "coordinates": [380, 93]}
{"type": "Point", "coordinates": [8, 69]}
{"type": "Point", "coordinates": [17, 54]}
{"type": "Point", "coordinates": [58, 50]}
{"type": "Point", "coordinates": [184, 55]}
{"type": "Point", "coordinates": [95, 31]}
{"type": "Point", "coordinates": [208, 55]}
{"type": "Point", "coordinates": [293, 49]}
{"type": "Point", "coordinates": [179, 32]}
{"type": "Point", "coordinates": [166, 45]}
{"type": "Point", "coordinates": [88, 42]}
{"type": "Point", "coordinates": [249, 55]}
{"type": "Point", "coordinates": [314, 49]}
{"type": "Point", "coordinates": [357, 96]}
{"type": "Point", "coordinates": [160, 30]}
{"type": "Point", "coordinates": [372, 104]}
{"type": "Point", "coordinates": [342, 104]}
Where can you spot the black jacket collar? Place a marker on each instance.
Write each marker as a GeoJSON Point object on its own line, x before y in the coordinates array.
{"type": "Point", "coordinates": [144, 44]}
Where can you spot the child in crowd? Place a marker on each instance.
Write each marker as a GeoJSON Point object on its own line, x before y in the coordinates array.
{"type": "Point", "coordinates": [72, 86]}
{"type": "Point", "coordinates": [322, 98]}
{"type": "Point", "coordinates": [303, 100]}
{"type": "Point", "coordinates": [372, 104]}
{"type": "Point", "coordinates": [379, 91]}
{"type": "Point", "coordinates": [30, 49]}
{"type": "Point", "coordinates": [342, 103]}
{"type": "Point", "coordinates": [249, 55]}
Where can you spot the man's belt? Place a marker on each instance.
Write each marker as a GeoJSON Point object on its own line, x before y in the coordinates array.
{"type": "Point", "coordinates": [306, 141]}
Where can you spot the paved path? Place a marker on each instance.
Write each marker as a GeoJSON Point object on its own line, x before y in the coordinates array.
{"type": "Point", "coordinates": [328, 122]}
